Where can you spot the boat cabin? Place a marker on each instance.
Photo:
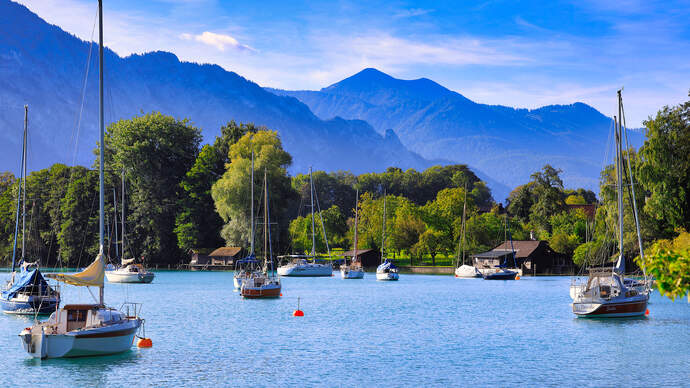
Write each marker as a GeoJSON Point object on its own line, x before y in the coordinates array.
{"type": "Point", "coordinates": [73, 317]}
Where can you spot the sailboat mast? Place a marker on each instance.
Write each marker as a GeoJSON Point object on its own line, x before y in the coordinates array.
{"type": "Point", "coordinates": [26, 130]}
{"type": "Point", "coordinates": [313, 233]}
{"type": "Point", "coordinates": [101, 201]}
{"type": "Point", "coordinates": [383, 234]}
{"type": "Point", "coordinates": [620, 266]}
{"type": "Point", "coordinates": [464, 208]}
{"type": "Point", "coordinates": [354, 257]}
{"type": "Point", "coordinates": [117, 254]}
{"type": "Point", "coordinates": [19, 192]}
{"type": "Point", "coordinates": [252, 207]}
{"type": "Point", "coordinates": [122, 214]}
{"type": "Point", "coordinates": [266, 224]}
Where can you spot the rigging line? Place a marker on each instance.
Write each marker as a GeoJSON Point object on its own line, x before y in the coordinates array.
{"type": "Point", "coordinates": [86, 232]}
{"type": "Point", "coordinates": [323, 228]}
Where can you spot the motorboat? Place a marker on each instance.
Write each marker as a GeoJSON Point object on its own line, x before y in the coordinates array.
{"type": "Point", "coordinates": [130, 272]}
{"type": "Point", "coordinates": [263, 284]}
{"type": "Point", "coordinates": [78, 330]}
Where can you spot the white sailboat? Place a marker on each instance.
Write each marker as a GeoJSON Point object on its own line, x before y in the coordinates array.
{"type": "Point", "coordinates": [387, 269]}
{"type": "Point", "coordinates": [353, 270]}
{"type": "Point", "coordinates": [130, 270]}
{"type": "Point", "coordinates": [606, 292]}
{"type": "Point", "coordinates": [78, 330]}
{"type": "Point", "coordinates": [464, 270]}
{"type": "Point", "coordinates": [306, 265]}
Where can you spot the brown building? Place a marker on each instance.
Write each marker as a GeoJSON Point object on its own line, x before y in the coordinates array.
{"type": "Point", "coordinates": [533, 256]}
{"type": "Point", "coordinates": [369, 257]}
{"type": "Point", "coordinates": [221, 258]}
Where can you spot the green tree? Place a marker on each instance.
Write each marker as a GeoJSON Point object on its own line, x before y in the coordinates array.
{"type": "Point", "coordinates": [665, 165]}
{"type": "Point", "coordinates": [407, 226]}
{"type": "Point", "coordinates": [444, 216]}
{"type": "Point", "coordinates": [429, 242]}
{"type": "Point", "coordinates": [231, 193]}
{"type": "Point", "coordinates": [548, 194]}
{"type": "Point", "coordinates": [78, 236]}
{"type": "Point", "coordinates": [156, 151]}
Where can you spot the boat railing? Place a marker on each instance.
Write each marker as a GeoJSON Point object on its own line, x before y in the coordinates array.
{"type": "Point", "coordinates": [131, 309]}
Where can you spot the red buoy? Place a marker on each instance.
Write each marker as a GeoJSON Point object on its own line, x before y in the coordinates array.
{"type": "Point", "coordinates": [298, 313]}
{"type": "Point", "coordinates": [646, 312]}
{"type": "Point", "coordinates": [145, 343]}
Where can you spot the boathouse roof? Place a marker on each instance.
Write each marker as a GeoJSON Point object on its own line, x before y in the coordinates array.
{"type": "Point", "coordinates": [226, 252]}
{"type": "Point", "coordinates": [523, 249]}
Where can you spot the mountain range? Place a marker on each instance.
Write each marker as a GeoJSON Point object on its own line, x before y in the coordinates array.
{"type": "Point", "coordinates": [364, 123]}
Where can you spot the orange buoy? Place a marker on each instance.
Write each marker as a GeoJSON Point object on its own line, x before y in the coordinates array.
{"type": "Point", "coordinates": [144, 343]}
{"type": "Point", "coordinates": [646, 312]}
{"type": "Point", "coordinates": [517, 277]}
{"type": "Point", "coordinates": [281, 294]}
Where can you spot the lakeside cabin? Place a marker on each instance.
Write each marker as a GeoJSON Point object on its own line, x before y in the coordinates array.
{"type": "Point", "coordinates": [369, 257]}
{"type": "Point", "coordinates": [220, 259]}
{"type": "Point", "coordinates": [533, 257]}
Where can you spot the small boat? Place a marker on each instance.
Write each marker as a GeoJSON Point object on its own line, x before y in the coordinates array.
{"type": "Point", "coordinates": [27, 292]}
{"type": "Point", "coordinates": [502, 272]}
{"type": "Point", "coordinates": [387, 269]}
{"type": "Point", "coordinates": [78, 330]}
{"type": "Point", "coordinates": [607, 293]}
{"type": "Point", "coordinates": [263, 284]}
{"type": "Point", "coordinates": [306, 265]}
{"type": "Point", "coordinates": [464, 270]}
{"type": "Point", "coordinates": [130, 272]}
{"type": "Point", "coordinates": [353, 270]}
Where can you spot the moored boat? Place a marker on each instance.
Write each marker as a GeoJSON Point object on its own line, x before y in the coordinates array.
{"type": "Point", "coordinates": [387, 269]}
{"type": "Point", "coordinates": [130, 272]}
{"type": "Point", "coordinates": [353, 270]}
{"type": "Point", "coordinates": [86, 329]}
{"type": "Point", "coordinates": [464, 270]}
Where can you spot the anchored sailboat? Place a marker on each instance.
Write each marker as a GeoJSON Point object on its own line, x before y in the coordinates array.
{"type": "Point", "coordinates": [353, 270]}
{"type": "Point", "coordinates": [78, 330]}
{"type": "Point", "coordinates": [306, 265]}
{"type": "Point", "coordinates": [387, 269]}
{"type": "Point", "coordinates": [248, 266]}
{"type": "Point", "coordinates": [27, 292]}
{"type": "Point", "coordinates": [502, 271]}
{"type": "Point", "coordinates": [263, 284]}
{"type": "Point", "coordinates": [607, 293]}
{"type": "Point", "coordinates": [464, 270]}
{"type": "Point", "coordinates": [131, 270]}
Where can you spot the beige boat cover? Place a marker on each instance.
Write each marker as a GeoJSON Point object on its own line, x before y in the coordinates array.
{"type": "Point", "coordinates": [91, 276]}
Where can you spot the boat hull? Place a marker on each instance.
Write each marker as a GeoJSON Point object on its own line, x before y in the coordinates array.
{"type": "Point", "coordinates": [387, 276]}
{"type": "Point", "coordinates": [467, 271]}
{"type": "Point", "coordinates": [352, 273]}
{"type": "Point", "coordinates": [33, 305]}
{"type": "Point", "coordinates": [626, 309]}
{"type": "Point", "coordinates": [311, 270]}
{"type": "Point", "coordinates": [509, 275]}
{"type": "Point", "coordinates": [269, 291]}
{"type": "Point", "coordinates": [114, 277]}
{"type": "Point", "coordinates": [83, 343]}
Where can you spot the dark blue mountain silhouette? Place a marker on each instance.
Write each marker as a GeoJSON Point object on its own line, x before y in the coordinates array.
{"type": "Point", "coordinates": [507, 144]}
{"type": "Point", "coordinates": [44, 67]}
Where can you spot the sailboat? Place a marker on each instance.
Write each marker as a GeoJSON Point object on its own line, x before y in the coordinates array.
{"type": "Point", "coordinates": [263, 284]}
{"type": "Point", "coordinates": [27, 293]}
{"type": "Point", "coordinates": [502, 272]}
{"type": "Point", "coordinates": [306, 265]}
{"type": "Point", "coordinates": [131, 270]}
{"type": "Point", "coordinates": [248, 266]}
{"type": "Point", "coordinates": [607, 293]}
{"type": "Point", "coordinates": [78, 330]}
{"type": "Point", "coordinates": [387, 269]}
{"type": "Point", "coordinates": [464, 270]}
{"type": "Point", "coordinates": [353, 270]}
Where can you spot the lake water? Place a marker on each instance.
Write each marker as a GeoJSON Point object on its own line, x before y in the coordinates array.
{"type": "Point", "coordinates": [422, 330]}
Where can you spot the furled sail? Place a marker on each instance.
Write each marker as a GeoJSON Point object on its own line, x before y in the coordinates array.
{"type": "Point", "coordinates": [91, 276]}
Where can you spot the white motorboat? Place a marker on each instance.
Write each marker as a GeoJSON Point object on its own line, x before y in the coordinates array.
{"type": "Point", "coordinates": [607, 293]}
{"type": "Point", "coordinates": [78, 330]}
{"type": "Point", "coordinates": [306, 265]}
{"type": "Point", "coordinates": [130, 273]}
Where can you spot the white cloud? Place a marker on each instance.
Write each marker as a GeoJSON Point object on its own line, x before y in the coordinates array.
{"type": "Point", "coordinates": [219, 41]}
{"type": "Point", "coordinates": [412, 12]}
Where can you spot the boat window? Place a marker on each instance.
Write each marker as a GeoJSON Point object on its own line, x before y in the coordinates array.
{"type": "Point", "coordinates": [76, 315]}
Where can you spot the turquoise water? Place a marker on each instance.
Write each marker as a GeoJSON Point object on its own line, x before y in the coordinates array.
{"type": "Point", "coordinates": [431, 330]}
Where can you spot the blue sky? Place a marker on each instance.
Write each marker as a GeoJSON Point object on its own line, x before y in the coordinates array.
{"type": "Point", "coordinates": [515, 53]}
